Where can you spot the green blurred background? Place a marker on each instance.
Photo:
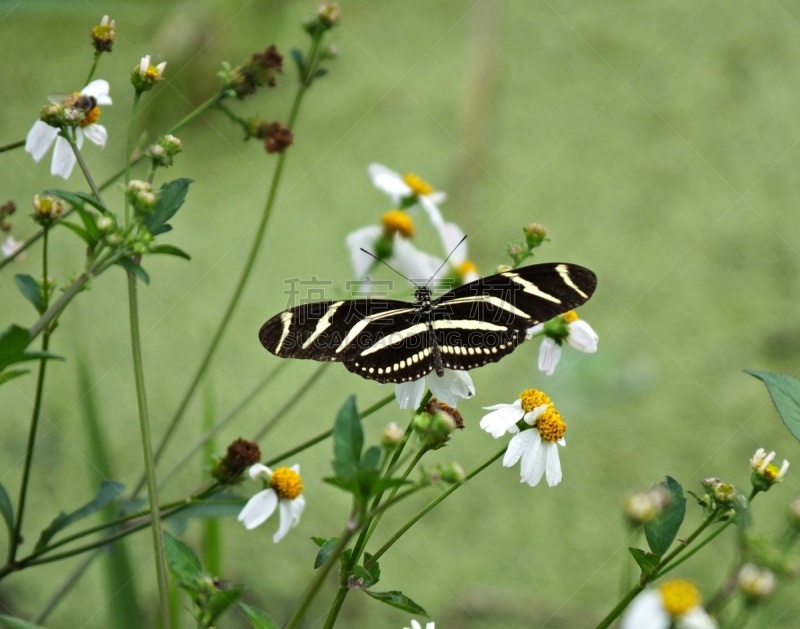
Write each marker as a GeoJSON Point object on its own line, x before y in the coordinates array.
{"type": "Point", "coordinates": [657, 141]}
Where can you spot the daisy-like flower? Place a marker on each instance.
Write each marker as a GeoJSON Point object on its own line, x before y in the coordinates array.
{"type": "Point", "coordinates": [567, 327]}
{"type": "Point", "coordinates": [765, 472]}
{"type": "Point", "coordinates": [146, 75]}
{"type": "Point", "coordinates": [676, 603]}
{"type": "Point", "coordinates": [537, 447]}
{"type": "Point", "coordinates": [416, 625]}
{"type": "Point", "coordinates": [10, 246]}
{"type": "Point", "coordinates": [448, 388]}
{"type": "Point", "coordinates": [283, 491]}
{"type": "Point", "coordinates": [408, 190]}
{"type": "Point", "coordinates": [82, 106]}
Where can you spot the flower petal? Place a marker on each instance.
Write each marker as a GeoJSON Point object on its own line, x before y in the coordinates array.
{"type": "Point", "coordinates": [258, 508]}
{"type": "Point", "coordinates": [363, 238]}
{"type": "Point", "coordinates": [646, 612]}
{"type": "Point", "coordinates": [451, 386]}
{"type": "Point", "coordinates": [696, 618]}
{"type": "Point", "coordinates": [549, 355]}
{"type": "Point", "coordinates": [63, 159]}
{"type": "Point", "coordinates": [96, 133]}
{"type": "Point", "coordinates": [285, 509]}
{"type": "Point", "coordinates": [297, 505]}
{"type": "Point", "coordinates": [431, 210]}
{"type": "Point", "coordinates": [416, 265]}
{"type": "Point", "coordinates": [451, 235]}
{"type": "Point", "coordinates": [552, 464]}
{"type": "Point", "coordinates": [409, 394]}
{"type": "Point", "coordinates": [100, 90]}
{"type": "Point", "coordinates": [582, 337]}
{"type": "Point", "coordinates": [40, 139]}
{"type": "Point", "coordinates": [516, 447]}
{"type": "Point", "coordinates": [257, 469]}
{"type": "Point", "coordinates": [388, 181]}
{"type": "Point", "coordinates": [502, 417]}
{"type": "Point", "coordinates": [532, 465]}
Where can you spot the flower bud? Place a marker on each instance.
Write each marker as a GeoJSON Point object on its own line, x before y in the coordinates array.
{"type": "Point", "coordinates": [453, 473]}
{"type": "Point", "coordinates": [535, 234]}
{"type": "Point", "coordinates": [240, 456]}
{"type": "Point", "coordinates": [755, 583]}
{"type": "Point", "coordinates": [392, 436]}
{"type": "Point", "coordinates": [145, 75]}
{"type": "Point", "coordinates": [329, 14]}
{"type": "Point", "coordinates": [278, 138]}
{"type": "Point", "coordinates": [103, 35]}
{"type": "Point", "coordinates": [47, 209]}
{"type": "Point", "coordinates": [765, 472]}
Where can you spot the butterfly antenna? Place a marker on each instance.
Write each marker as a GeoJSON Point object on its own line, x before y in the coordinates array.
{"type": "Point", "coordinates": [449, 255]}
{"type": "Point", "coordinates": [372, 255]}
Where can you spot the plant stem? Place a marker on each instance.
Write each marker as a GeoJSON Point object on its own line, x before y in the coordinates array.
{"type": "Point", "coordinates": [128, 150]}
{"type": "Point", "coordinates": [85, 169]}
{"type": "Point", "coordinates": [237, 293]}
{"type": "Point", "coordinates": [12, 146]}
{"type": "Point", "coordinates": [16, 537]}
{"type": "Point", "coordinates": [147, 447]}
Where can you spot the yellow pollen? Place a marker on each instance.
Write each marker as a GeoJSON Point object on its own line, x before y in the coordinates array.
{"type": "Point", "coordinates": [286, 483]}
{"type": "Point", "coordinates": [551, 425]}
{"type": "Point", "coordinates": [771, 472]}
{"type": "Point", "coordinates": [465, 268]}
{"type": "Point", "coordinates": [417, 184]}
{"type": "Point", "coordinates": [151, 73]}
{"type": "Point", "coordinates": [531, 398]}
{"type": "Point", "coordinates": [90, 117]}
{"type": "Point", "coordinates": [679, 596]}
{"type": "Point", "coordinates": [398, 221]}
{"type": "Point", "coordinates": [570, 316]}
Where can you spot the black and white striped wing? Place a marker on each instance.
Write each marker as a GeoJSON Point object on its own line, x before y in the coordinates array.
{"type": "Point", "coordinates": [482, 321]}
{"type": "Point", "coordinates": [378, 339]}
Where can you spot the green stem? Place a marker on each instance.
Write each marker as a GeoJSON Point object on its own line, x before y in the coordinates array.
{"type": "Point", "coordinates": [129, 150]}
{"type": "Point", "coordinates": [432, 505]}
{"type": "Point", "coordinates": [237, 293]}
{"type": "Point", "coordinates": [85, 169]}
{"type": "Point", "coordinates": [12, 146]}
{"type": "Point", "coordinates": [668, 568]}
{"type": "Point", "coordinates": [94, 67]}
{"type": "Point", "coordinates": [353, 524]}
{"type": "Point", "coordinates": [324, 435]}
{"type": "Point", "coordinates": [16, 537]}
{"type": "Point", "coordinates": [147, 447]}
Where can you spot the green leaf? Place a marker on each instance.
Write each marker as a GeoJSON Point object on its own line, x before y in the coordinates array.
{"type": "Point", "coordinates": [82, 233]}
{"type": "Point", "coordinates": [325, 550]}
{"type": "Point", "coordinates": [131, 267]}
{"type": "Point", "coordinates": [170, 198]}
{"type": "Point", "coordinates": [170, 250]}
{"type": "Point", "coordinates": [14, 340]}
{"type": "Point", "coordinates": [299, 61]}
{"type": "Point", "coordinates": [374, 570]}
{"type": "Point", "coordinates": [348, 440]}
{"type": "Point", "coordinates": [222, 505]}
{"type": "Point", "coordinates": [7, 510]}
{"type": "Point", "coordinates": [646, 561]}
{"type": "Point", "coordinates": [17, 623]}
{"type": "Point", "coordinates": [108, 492]}
{"type": "Point", "coordinates": [257, 618]}
{"type": "Point", "coordinates": [372, 458]}
{"type": "Point", "coordinates": [662, 530]}
{"type": "Point", "coordinates": [399, 600]}
{"type": "Point", "coordinates": [10, 374]}
{"type": "Point", "coordinates": [29, 288]}
{"type": "Point", "coordinates": [226, 595]}
{"type": "Point", "coordinates": [320, 73]}
{"type": "Point", "coordinates": [182, 561]}
{"type": "Point", "coordinates": [785, 393]}
{"type": "Point", "coordinates": [77, 198]}
{"type": "Point", "coordinates": [89, 198]}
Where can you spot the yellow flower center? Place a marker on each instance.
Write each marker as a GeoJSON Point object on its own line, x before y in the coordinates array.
{"type": "Point", "coordinates": [417, 184]}
{"type": "Point", "coordinates": [531, 398]}
{"type": "Point", "coordinates": [286, 483]}
{"type": "Point", "coordinates": [551, 425]}
{"type": "Point", "coordinates": [465, 268]}
{"type": "Point", "coordinates": [679, 596]}
{"type": "Point", "coordinates": [398, 221]}
{"type": "Point", "coordinates": [570, 316]}
{"type": "Point", "coordinates": [90, 117]}
{"type": "Point", "coordinates": [151, 73]}
{"type": "Point", "coordinates": [771, 472]}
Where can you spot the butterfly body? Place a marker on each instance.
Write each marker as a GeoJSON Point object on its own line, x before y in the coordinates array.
{"type": "Point", "coordinates": [396, 341]}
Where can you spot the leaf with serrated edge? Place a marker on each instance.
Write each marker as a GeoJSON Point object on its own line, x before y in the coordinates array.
{"type": "Point", "coordinates": [785, 393]}
{"type": "Point", "coordinates": [182, 561]}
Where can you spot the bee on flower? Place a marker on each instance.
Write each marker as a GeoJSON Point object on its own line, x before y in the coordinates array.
{"type": "Point", "coordinates": [283, 491]}
{"type": "Point", "coordinates": [76, 115]}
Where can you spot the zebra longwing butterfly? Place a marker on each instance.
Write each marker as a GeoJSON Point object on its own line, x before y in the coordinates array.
{"type": "Point", "coordinates": [396, 341]}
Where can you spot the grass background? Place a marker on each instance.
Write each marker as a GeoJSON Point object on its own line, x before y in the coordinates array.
{"type": "Point", "coordinates": [659, 144]}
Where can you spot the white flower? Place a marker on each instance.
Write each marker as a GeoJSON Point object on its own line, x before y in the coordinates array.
{"type": "Point", "coordinates": [452, 236]}
{"type": "Point", "coordinates": [579, 335]}
{"type": "Point", "coordinates": [765, 472]}
{"type": "Point", "coordinates": [41, 136]}
{"type": "Point", "coordinates": [156, 74]}
{"type": "Point", "coordinates": [283, 493]}
{"type": "Point", "coordinates": [416, 625]}
{"type": "Point", "coordinates": [449, 388]}
{"type": "Point", "coordinates": [537, 448]}
{"type": "Point", "coordinates": [409, 186]}
{"type": "Point", "coordinates": [675, 603]}
{"type": "Point", "coordinates": [10, 246]}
